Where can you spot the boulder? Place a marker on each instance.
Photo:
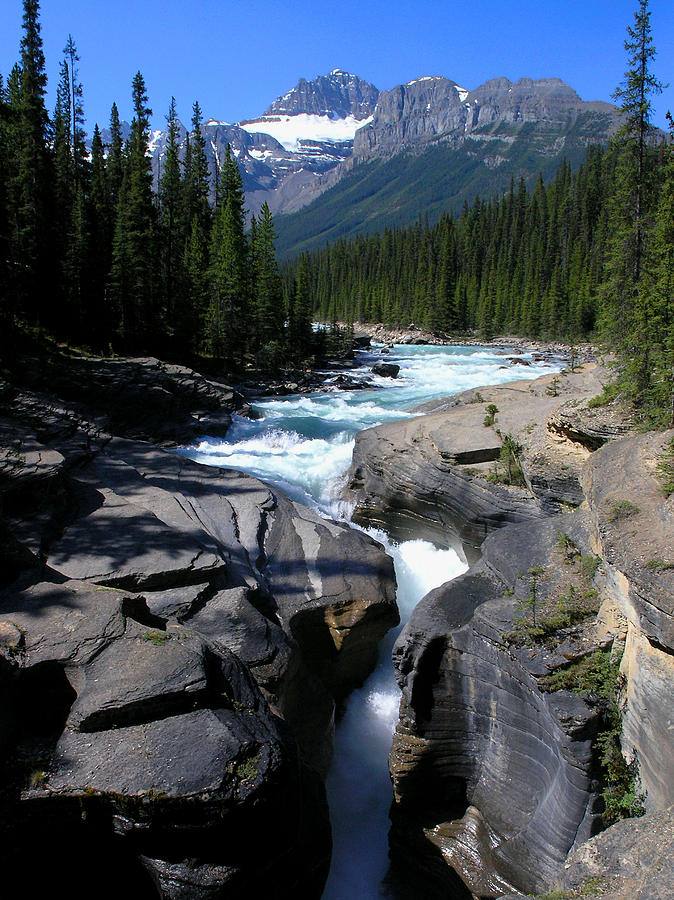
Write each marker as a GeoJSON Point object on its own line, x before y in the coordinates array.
{"type": "Point", "coordinates": [629, 861]}
{"type": "Point", "coordinates": [170, 658]}
{"type": "Point", "coordinates": [386, 370]}
{"type": "Point", "coordinates": [436, 470]}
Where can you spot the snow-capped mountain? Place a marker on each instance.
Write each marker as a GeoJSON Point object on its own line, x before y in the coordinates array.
{"type": "Point", "coordinates": [300, 136]}
{"type": "Point", "coordinates": [316, 134]}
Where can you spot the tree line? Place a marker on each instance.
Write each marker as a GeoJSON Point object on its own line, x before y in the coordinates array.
{"type": "Point", "coordinates": [91, 254]}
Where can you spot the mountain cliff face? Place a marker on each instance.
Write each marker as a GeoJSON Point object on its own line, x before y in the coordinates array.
{"type": "Point", "coordinates": [431, 108]}
{"type": "Point", "coordinates": [432, 146]}
{"type": "Point", "coordinates": [301, 135]}
{"type": "Point", "coordinates": [339, 139]}
{"type": "Point", "coordinates": [338, 94]}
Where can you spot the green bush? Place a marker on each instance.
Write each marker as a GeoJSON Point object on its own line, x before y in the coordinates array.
{"type": "Point", "coordinates": [665, 469]}
{"type": "Point", "coordinates": [621, 509]}
{"type": "Point", "coordinates": [608, 394]}
{"type": "Point", "coordinates": [490, 418]}
{"type": "Point", "coordinates": [598, 679]}
{"type": "Point", "coordinates": [589, 565]}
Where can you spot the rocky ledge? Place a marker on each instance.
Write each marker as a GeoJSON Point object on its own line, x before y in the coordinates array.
{"type": "Point", "coordinates": [536, 688]}
{"type": "Point", "coordinates": [439, 474]}
{"type": "Point", "coordinates": [173, 640]}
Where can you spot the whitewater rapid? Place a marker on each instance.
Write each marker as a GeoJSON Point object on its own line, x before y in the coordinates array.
{"type": "Point", "coordinates": [303, 445]}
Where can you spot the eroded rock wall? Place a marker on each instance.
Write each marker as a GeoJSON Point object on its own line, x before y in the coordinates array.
{"type": "Point", "coordinates": [173, 640]}
{"type": "Point", "coordinates": [494, 773]}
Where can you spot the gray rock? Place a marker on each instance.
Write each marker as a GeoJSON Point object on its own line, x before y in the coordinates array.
{"type": "Point", "coordinates": [386, 370]}
{"type": "Point", "coordinates": [433, 469]}
{"type": "Point", "coordinates": [632, 860]}
{"type": "Point", "coordinates": [129, 676]}
{"type": "Point", "coordinates": [631, 528]}
{"type": "Point", "coordinates": [68, 623]}
{"type": "Point", "coordinates": [487, 769]}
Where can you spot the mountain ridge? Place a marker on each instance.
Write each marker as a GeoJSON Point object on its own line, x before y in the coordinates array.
{"type": "Point", "coordinates": [322, 131]}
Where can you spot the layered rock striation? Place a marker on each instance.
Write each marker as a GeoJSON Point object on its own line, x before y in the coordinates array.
{"type": "Point", "coordinates": [173, 640]}
{"type": "Point", "coordinates": [435, 471]}
{"type": "Point", "coordinates": [506, 672]}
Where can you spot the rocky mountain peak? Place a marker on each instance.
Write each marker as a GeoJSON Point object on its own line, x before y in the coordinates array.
{"type": "Point", "coordinates": [338, 94]}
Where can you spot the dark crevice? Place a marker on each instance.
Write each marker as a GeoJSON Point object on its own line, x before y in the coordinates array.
{"type": "Point", "coordinates": [136, 608]}
{"type": "Point", "coordinates": [426, 676]}
{"type": "Point", "coordinates": [656, 645]}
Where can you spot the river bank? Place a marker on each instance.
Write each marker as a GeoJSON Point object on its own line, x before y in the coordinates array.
{"type": "Point", "coordinates": [497, 756]}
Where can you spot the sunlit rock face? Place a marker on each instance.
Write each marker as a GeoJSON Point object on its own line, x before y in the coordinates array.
{"type": "Point", "coordinates": [492, 777]}
{"type": "Point", "coordinates": [637, 548]}
{"type": "Point", "coordinates": [173, 638]}
{"type": "Point", "coordinates": [493, 768]}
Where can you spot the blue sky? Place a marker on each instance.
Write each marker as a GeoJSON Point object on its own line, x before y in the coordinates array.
{"type": "Point", "coordinates": [236, 56]}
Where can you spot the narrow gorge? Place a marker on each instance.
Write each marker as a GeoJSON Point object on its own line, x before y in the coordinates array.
{"type": "Point", "coordinates": [176, 637]}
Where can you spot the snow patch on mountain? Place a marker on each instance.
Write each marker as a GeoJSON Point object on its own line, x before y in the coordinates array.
{"type": "Point", "coordinates": [291, 130]}
{"type": "Point", "coordinates": [425, 78]}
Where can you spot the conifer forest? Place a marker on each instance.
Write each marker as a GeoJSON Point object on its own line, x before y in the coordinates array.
{"type": "Point", "coordinates": [92, 255]}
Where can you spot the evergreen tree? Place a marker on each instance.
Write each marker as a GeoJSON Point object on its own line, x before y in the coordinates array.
{"type": "Point", "coordinates": [624, 318]}
{"type": "Point", "coordinates": [34, 179]}
{"type": "Point", "coordinates": [115, 162]}
{"type": "Point", "coordinates": [196, 221]}
{"type": "Point", "coordinates": [267, 290]}
{"type": "Point", "coordinates": [98, 315]}
{"type": "Point", "coordinates": [76, 111]}
{"type": "Point", "coordinates": [172, 231]}
{"type": "Point", "coordinates": [228, 314]}
{"type": "Point", "coordinates": [657, 300]}
{"type": "Point", "coordinates": [133, 271]}
{"type": "Point", "coordinates": [300, 331]}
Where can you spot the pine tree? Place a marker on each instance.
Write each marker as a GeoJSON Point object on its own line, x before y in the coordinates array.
{"type": "Point", "coordinates": [630, 204]}
{"type": "Point", "coordinates": [6, 291]}
{"type": "Point", "coordinates": [300, 332]}
{"type": "Point", "coordinates": [133, 272]}
{"type": "Point", "coordinates": [228, 314]}
{"type": "Point", "coordinates": [76, 112]}
{"type": "Point", "coordinates": [32, 188]}
{"type": "Point", "coordinates": [99, 322]}
{"type": "Point", "coordinates": [657, 299]}
{"type": "Point", "coordinates": [115, 162]}
{"type": "Point", "coordinates": [625, 312]}
{"type": "Point", "coordinates": [196, 221]}
{"type": "Point", "coordinates": [267, 290]}
{"type": "Point", "coordinates": [172, 230]}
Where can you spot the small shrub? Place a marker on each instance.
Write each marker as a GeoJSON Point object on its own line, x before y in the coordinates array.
{"type": "Point", "coordinates": [589, 565]}
{"type": "Point", "coordinates": [490, 418]}
{"type": "Point", "coordinates": [665, 469]}
{"type": "Point", "coordinates": [621, 509]}
{"type": "Point", "coordinates": [552, 390]}
{"type": "Point", "coordinates": [659, 565]}
{"type": "Point", "coordinates": [271, 356]}
{"type": "Point", "coordinates": [567, 546]}
{"type": "Point", "coordinates": [37, 779]}
{"type": "Point", "coordinates": [608, 394]}
{"type": "Point", "coordinates": [248, 768]}
{"type": "Point", "coordinates": [509, 458]}
{"type": "Point", "coordinates": [156, 637]}
{"type": "Point", "coordinates": [477, 398]}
